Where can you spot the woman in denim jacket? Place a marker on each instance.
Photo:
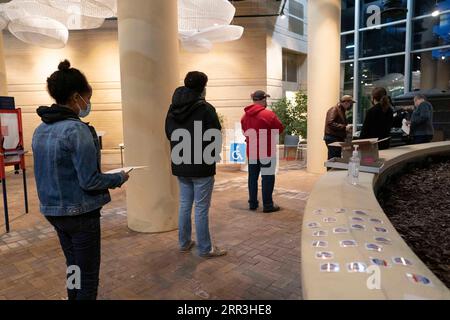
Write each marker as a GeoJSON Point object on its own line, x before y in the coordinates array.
{"type": "Point", "coordinates": [71, 187]}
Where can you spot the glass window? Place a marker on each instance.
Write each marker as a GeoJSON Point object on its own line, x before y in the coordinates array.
{"type": "Point", "coordinates": [348, 15]}
{"type": "Point", "coordinates": [347, 47]}
{"type": "Point", "coordinates": [290, 67]}
{"type": "Point", "coordinates": [432, 32]}
{"type": "Point", "coordinates": [296, 9]}
{"type": "Point", "coordinates": [423, 7]}
{"type": "Point", "coordinates": [347, 78]}
{"type": "Point", "coordinates": [431, 70]}
{"type": "Point", "coordinates": [386, 40]}
{"type": "Point", "coordinates": [296, 26]}
{"type": "Point", "coordinates": [385, 10]}
{"type": "Point", "coordinates": [383, 72]}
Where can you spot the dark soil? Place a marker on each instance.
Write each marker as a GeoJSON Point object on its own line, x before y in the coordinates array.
{"type": "Point", "coordinates": [418, 205]}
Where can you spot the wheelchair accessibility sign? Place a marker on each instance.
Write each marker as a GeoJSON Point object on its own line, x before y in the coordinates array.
{"type": "Point", "coordinates": [238, 153]}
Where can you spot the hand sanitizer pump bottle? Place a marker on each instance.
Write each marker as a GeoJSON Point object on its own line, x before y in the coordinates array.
{"type": "Point", "coordinates": [353, 167]}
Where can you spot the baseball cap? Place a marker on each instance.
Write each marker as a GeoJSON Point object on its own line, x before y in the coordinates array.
{"type": "Point", "coordinates": [259, 95]}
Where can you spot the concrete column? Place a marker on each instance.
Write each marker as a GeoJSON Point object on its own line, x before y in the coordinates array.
{"type": "Point", "coordinates": [428, 69]}
{"type": "Point", "coordinates": [443, 74]}
{"type": "Point", "coordinates": [3, 82]}
{"type": "Point", "coordinates": [324, 27]}
{"type": "Point", "coordinates": [148, 44]}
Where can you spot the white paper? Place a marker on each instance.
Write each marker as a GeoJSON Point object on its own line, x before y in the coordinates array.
{"type": "Point", "coordinates": [126, 169]}
{"type": "Point", "coordinates": [406, 129]}
{"type": "Point", "coordinates": [10, 130]}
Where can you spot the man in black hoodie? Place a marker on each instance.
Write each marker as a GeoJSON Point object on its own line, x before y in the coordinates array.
{"type": "Point", "coordinates": [192, 127]}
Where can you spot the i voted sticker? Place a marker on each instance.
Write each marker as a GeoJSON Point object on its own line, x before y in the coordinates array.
{"type": "Point", "coordinates": [416, 278]}
{"type": "Point", "coordinates": [320, 244]}
{"type": "Point", "coordinates": [383, 240]}
{"type": "Point", "coordinates": [379, 262]}
{"type": "Point", "coordinates": [324, 255]}
{"type": "Point", "coordinates": [358, 227]}
{"type": "Point", "coordinates": [374, 247]}
{"type": "Point", "coordinates": [329, 267]}
{"type": "Point", "coordinates": [356, 267]}
{"type": "Point", "coordinates": [348, 243]}
{"type": "Point", "coordinates": [379, 229]}
{"type": "Point", "coordinates": [340, 230]}
{"type": "Point", "coordinates": [320, 233]}
{"type": "Point", "coordinates": [313, 225]}
{"type": "Point", "coordinates": [401, 261]}
{"type": "Point", "coordinates": [360, 212]}
{"type": "Point", "coordinates": [329, 220]}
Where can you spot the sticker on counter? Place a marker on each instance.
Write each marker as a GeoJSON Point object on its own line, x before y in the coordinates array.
{"type": "Point", "coordinates": [356, 267]}
{"type": "Point", "coordinates": [320, 244]}
{"type": "Point", "coordinates": [348, 243]}
{"type": "Point", "coordinates": [340, 210]}
{"type": "Point", "coordinates": [313, 225]}
{"type": "Point", "coordinates": [357, 219]}
{"type": "Point", "coordinates": [379, 262]}
{"type": "Point", "coordinates": [374, 247]}
{"type": "Point", "coordinates": [319, 211]}
{"type": "Point", "coordinates": [329, 220]}
{"type": "Point", "coordinates": [358, 227]}
{"type": "Point", "coordinates": [383, 240]}
{"type": "Point", "coordinates": [416, 278]}
{"type": "Point", "coordinates": [320, 233]}
{"type": "Point", "coordinates": [402, 261]}
{"type": "Point", "coordinates": [360, 212]}
{"type": "Point", "coordinates": [340, 230]}
{"type": "Point", "coordinates": [379, 229]}
{"type": "Point", "coordinates": [329, 267]}
{"type": "Point", "coordinates": [374, 220]}
{"type": "Point", "coordinates": [324, 255]}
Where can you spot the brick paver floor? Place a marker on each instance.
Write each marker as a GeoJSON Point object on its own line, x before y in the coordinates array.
{"type": "Point", "coordinates": [263, 260]}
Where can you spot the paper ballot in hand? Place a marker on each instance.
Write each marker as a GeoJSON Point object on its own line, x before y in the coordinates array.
{"type": "Point", "coordinates": [126, 170]}
{"type": "Point", "coordinates": [405, 127]}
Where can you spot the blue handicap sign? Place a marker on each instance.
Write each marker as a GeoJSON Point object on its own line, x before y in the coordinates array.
{"type": "Point", "coordinates": [238, 153]}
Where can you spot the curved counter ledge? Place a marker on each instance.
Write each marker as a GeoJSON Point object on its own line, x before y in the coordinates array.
{"type": "Point", "coordinates": [397, 279]}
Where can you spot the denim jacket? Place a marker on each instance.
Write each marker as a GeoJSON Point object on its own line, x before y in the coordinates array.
{"type": "Point", "coordinates": [67, 167]}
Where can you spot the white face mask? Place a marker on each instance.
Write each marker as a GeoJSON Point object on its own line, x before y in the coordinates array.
{"type": "Point", "coordinates": [85, 113]}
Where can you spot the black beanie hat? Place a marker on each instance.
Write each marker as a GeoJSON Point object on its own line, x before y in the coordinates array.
{"type": "Point", "coordinates": [196, 80]}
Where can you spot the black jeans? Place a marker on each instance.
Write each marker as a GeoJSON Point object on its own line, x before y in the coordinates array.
{"type": "Point", "coordinates": [80, 241]}
{"type": "Point", "coordinates": [267, 171]}
{"type": "Point", "coordinates": [421, 139]}
{"type": "Point", "coordinates": [333, 152]}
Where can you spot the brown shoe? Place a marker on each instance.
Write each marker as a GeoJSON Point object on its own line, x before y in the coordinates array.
{"type": "Point", "coordinates": [215, 252]}
{"type": "Point", "coordinates": [188, 247]}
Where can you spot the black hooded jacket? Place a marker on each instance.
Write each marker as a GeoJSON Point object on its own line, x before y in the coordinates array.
{"type": "Point", "coordinates": [188, 106]}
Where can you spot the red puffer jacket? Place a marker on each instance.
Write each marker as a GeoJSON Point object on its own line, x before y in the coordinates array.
{"type": "Point", "coordinates": [262, 121]}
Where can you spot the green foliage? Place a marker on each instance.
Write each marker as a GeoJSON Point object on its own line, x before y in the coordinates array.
{"type": "Point", "coordinates": [293, 116]}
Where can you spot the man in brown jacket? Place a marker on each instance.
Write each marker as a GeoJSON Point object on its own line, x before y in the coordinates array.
{"type": "Point", "coordinates": [336, 125]}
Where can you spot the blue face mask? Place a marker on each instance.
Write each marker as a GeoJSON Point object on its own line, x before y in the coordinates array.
{"type": "Point", "coordinates": [85, 113]}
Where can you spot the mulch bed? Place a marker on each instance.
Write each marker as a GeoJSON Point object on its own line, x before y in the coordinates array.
{"type": "Point", "coordinates": [418, 205]}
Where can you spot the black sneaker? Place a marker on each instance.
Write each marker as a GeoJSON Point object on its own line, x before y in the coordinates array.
{"type": "Point", "coordinates": [253, 208]}
{"type": "Point", "coordinates": [275, 208]}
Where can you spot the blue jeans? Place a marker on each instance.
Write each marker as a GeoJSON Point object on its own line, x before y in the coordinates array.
{"type": "Point", "coordinates": [80, 241]}
{"type": "Point", "coordinates": [333, 152]}
{"type": "Point", "coordinates": [268, 183]}
{"type": "Point", "coordinates": [198, 190]}
{"type": "Point", "coordinates": [422, 139]}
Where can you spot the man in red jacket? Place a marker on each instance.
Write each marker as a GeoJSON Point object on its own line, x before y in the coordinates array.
{"type": "Point", "coordinates": [261, 128]}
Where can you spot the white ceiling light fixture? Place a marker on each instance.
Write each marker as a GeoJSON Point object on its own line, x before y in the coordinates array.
{"type": "Point", "coordinates": [22, 8]}
{"type": "Point", "coordinates": [3, 20]}
{"type": "Point", "coordinates": [40, 31]}
{"type": "Point", "coordinates": [89, 8]}
{"type": "Point", "coordinates": [200, 14]}
{"type": "Point", "coordinates": [204, 22]}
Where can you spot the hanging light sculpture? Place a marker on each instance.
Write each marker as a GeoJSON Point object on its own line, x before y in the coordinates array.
{"type": "Point", "coordinates": [89, 8]}
{"type": "Point", "coordinates": [204, 22]}
{"type": "Point", "coordinates": [200, 14]}
{"type": "Point", "coordinates": [41, 31]}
